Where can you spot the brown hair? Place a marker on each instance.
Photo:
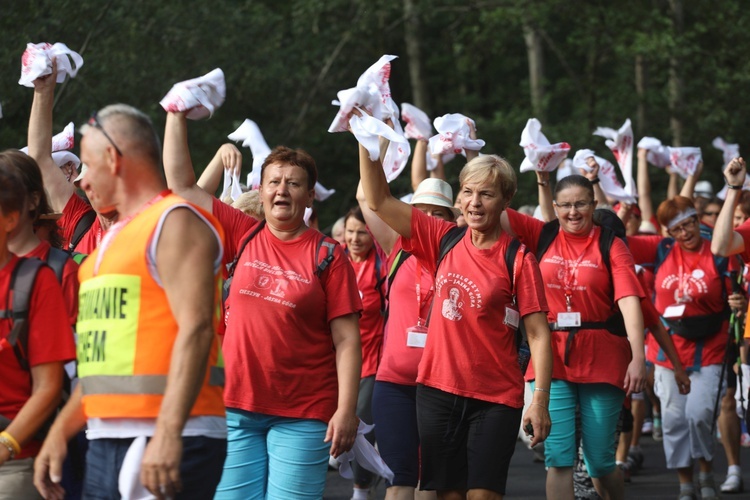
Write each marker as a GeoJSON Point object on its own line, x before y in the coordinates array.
{"type": "Point", "coordinates": [12, 192]}
{"type": "Point", "coordinates": [296, 157]}
{"type": "Point", "coordinates": [669, 209]}
{"type": "Point", "coordinates": [28, 171]}
{"type": "Point", "coordinates": [745, 203]}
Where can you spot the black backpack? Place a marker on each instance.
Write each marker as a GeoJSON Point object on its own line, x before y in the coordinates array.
{"type": "Point", "coordinates": [84, 224]}
{"type": "Point", "coordinates": [611, 227]}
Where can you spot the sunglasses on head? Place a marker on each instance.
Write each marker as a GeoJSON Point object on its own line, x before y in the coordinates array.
{"type": "Point", "coordinates": [94, 122]}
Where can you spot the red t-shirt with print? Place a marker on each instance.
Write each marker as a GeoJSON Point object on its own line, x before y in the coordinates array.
{"type": "Point", "coordinates": [407, 305]}
{"type": "Point", "coordinates": [278, 348]}
{"type": "Point", "coordinates": [50, 340]}
{"type": "Point", "coordinates": [470, 352]}
{"type": "Point", "coordinates": [689, 279]}
{"type": "Point", "coordinates": [576, 261]}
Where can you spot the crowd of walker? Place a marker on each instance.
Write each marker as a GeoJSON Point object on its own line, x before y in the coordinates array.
{"type": "Point", "coordinates": [178, 346]}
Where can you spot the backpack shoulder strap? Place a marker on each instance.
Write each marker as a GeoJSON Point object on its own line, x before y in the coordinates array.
{"type": "Point", "coordinates": [255, 230]}
{"type": "Point", "coordinates": [665, 246]}
{"type": "Point", "coordinates": [380, 278]}
{"type": "Point", "coordinates": [84, 224]}
{"type": "Point", "coordinates": [448, 241]}
{"type": "Point", "coordinates": [322, 264]}
{"type": "Point", "coordinates": [57, 260]}
{"type": "Point", "coordinates": [606, 238]}
{"type": "Point", "coordinates": [401, 257]}
{"type": "Point", "coordinates": [547, 236]}
{"type": "Point", "coordinates": [22, 283]}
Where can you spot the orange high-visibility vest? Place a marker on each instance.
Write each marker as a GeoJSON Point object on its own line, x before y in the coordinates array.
{"type": "Point", "coordinates": [126, 329]}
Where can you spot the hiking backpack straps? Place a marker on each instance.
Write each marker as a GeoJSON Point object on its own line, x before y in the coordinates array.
{"type": "Point", "coordinates": [84, 224]}
{"type": "Point", "coordinates": [380, 278]}
{"type": "Point", "coordinates": [330, 245]}
{"type": "Point", "coordinates": [56, 259]}
{"type": "Point", "coordinates": [22, 285]}
{"type": "Point", "coordinates": [231, 267]}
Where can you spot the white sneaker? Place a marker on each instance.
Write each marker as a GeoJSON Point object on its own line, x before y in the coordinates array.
{"type": "Point", "coordinates": [732, 484]}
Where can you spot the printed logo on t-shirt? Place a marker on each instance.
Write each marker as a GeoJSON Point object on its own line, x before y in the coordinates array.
{"type": "Point", "coordinates": [462, 292]}
{"type": "Point", "coordinates": [272, 283]}
{"type": "Point", "coordinates": [568, 266]}
{"type": "Point", "coordinates": [692, 285]}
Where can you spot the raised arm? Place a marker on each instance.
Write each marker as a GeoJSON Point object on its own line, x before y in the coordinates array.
{"type": "Point", "coordinates": [227, 159]}
{"type": "Point", "coordinates": [392, 211]}
{"type": "Point", "coordinates": [545, 196]}
{"type": "Point", "coordinates": [593, 176]}
{"type": "Point", "coordinates": [471, 153]}
{"type": "Point", "coordinates": [382, 232]}
{"type": "Point", "coordinates": [178, 166]}
{"type": "Point", "coordinates": [726, 241]}
{"type": "Point", "coordinates": [419, 164]}
{"type": "Point", "coordinates": [644, 186]}
{"type": "Point", "coordinates": [59, 189]}
{"type": "Point", "coordinates": [688, 188]}
{"type": "Point", "coordinates": [673, 186]}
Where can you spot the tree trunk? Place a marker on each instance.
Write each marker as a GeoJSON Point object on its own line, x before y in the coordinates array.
{"type": "Point", "coordinates": [675, 80]}
{"type": "Point", "coordinates": [535, 56]}
{"type": "Point", "coordinates": [640, 91]}
{"type": "Point", "coordinates": [414, 52]}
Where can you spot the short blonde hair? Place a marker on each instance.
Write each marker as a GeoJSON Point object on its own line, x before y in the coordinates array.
{"type": "Point", "coordinates": [250, 204]}
{"type": "Point", "coordinates": [494, 169]}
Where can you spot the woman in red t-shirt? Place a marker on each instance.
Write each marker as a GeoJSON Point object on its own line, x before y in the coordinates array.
{"type": "Point", "coordinates": [691, 292]}
{"type": "Point", "coordinates": [592, 368]}
{"type": "Point", "coordinates": [30, 394]}
{"type": "Point", "coordinates": [470, 386]}
{"type": "Point", "coordinates": [410, 291]}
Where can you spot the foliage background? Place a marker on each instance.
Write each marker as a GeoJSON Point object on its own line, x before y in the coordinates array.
{"type": "Point", "coordinates": [285, 60]}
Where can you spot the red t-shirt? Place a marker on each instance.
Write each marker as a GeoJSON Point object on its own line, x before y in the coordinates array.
{"type": "Point", "coordinates": [69, 280]}
{"type": "Point", "coordinates": [235, 223]}
{"type": "Point", "coordinates": [470, 351]}
{"type": "Point", "coordinates": [595, 356]}
{"type": "Point", "coordinates": [700, 288]}
{"type": "Point", "coordinates": [50, 340]}
{"type": "Point", "coordinates": [278, 350]}
{"type": "Point", "coordinates": [400, 361]}
{"type": "Point", "coordinates": [74, 210]}
{"type": "Point", "coordinates": [371, 322]}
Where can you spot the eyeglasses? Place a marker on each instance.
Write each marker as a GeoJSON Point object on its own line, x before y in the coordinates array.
{"type": "Point", "coordinates": [580, 206]}
{"type": "Point", "coordinates": [685, 227]}
{"type": "Point", "coordinates": [94, 122]}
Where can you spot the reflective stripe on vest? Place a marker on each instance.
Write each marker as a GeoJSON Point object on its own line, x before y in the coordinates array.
{"type": "Point", "coordinates": [130, 384]}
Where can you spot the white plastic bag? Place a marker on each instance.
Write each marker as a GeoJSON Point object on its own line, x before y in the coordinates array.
{"type": "Point", "coordinates": [685, 160]}
{"type": "Point", "coordinates": [453, 135]}
{"type": "Point", "coordinates": [540, 154]}
{"type": "Point", "coordinates": [658, 154]}
{"type": "Point", "coordinates": [37, 61]}
{"type": "Point", "coordinates": [249, 134]}
{"type": "Point", "coordinates": [620, 142]}
{"type": "Point", "coordinates": [200, 97]}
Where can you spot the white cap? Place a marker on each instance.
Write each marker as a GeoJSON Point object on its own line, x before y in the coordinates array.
{"type": "Point", "coordinates": [703, 189]}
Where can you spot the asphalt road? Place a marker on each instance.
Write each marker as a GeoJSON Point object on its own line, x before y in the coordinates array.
{"type": "Point", "coordinates": [526, 478]}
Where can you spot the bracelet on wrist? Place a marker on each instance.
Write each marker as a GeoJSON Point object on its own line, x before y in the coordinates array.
{"type": "Point", "coordinates": [595, 181]}
{"type": "Point", "coordinates": [543, 183]}
{"type": "Point", "coordinates": [10, 443]}
{"type": "Point", "coordinates": [541, 390]}
{"type": "Point", "coordinates": [735, 187]}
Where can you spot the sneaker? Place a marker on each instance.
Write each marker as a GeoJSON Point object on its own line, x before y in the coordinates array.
{"type": "Point", "coordinates": [648, 426]}
{"type": "Point", "coordinates": [626, 471]}
{"type": "Point", "coordinates": [687, 495]}
{"type": "Point", "coordinates": [657, 433]}
{"type": "Point", "coordinates": [635, 460]}
{"type": "Point", "coordinates": [708, 489]}
{"type": "Point", "coordinates": [732, 484]}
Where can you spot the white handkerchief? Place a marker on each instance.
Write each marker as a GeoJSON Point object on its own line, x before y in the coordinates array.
{"type": "Point", "coordinates": [308, 214]}
{"type": "Point", "coordinates": [200, 97]}
{"type": "Point", "coordinates": [62, 157]}
{"type": "Point", "coordinates": [368, 130]}
{"type": "Point", "coordinates": [418, 124]}
{"type": "Point", "coordinates": [65, 139]}
{"type": "Point", "coordinates": [730, 151]}
{"type": "Point", "coordinates": [372, 93]}
{"type": "Point", "coordinates": [620, 142]}
{"type": "Point", "coordinates": [540, 154]}
{"type": "Point", "coordinates": [609, 182]}
{"type": "Point", "coordinates": [658, 154]}
{"type": "Point", "coordinates": [685, 160]}
{"type": "Point", "coordinates": [453, 135]}
{"type": "Point", "coordinates": [129, 482]}
{"type": "Point", "coordinates": [249, 134]}
{"type": "Point", "coordinates": [365, 454]}
{"type": "Point", "coordinates": [321, 193]}
{"type": "Point", "coordinates": [232, 188]}
{"type": "Point", "coordinates": [37, 61]}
